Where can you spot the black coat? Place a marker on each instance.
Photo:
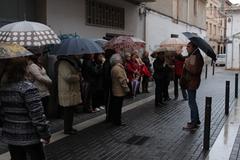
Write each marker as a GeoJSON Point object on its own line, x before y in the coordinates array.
{"type": "Point", "coordinates": [158, 69]}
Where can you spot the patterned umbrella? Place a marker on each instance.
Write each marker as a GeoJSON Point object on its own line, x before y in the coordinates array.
{"type": "Point", "coordinates": [138, 42]}
{"type": "Point", "coordinates": [77, 46]}
{"type": "Point", "coordinates": [8, 50]}
{"type": "Point", "coordinates": [173, 43]}
{"type": "Point", "coordinates": [121, 43]}
{"type": "Point", "coordinates": [26, 33]}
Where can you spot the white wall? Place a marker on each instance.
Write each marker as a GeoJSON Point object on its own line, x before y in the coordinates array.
{"type": "Point", "coordinates": [68, 16]}
{"type": "Point", "coordinates": [232, 49]}
{"type": "Point", "coordinates": [160, 28]}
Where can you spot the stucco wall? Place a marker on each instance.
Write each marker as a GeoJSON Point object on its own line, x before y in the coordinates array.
{"type": "Point", "coordinates": [68, 16]}
{"type": "Point", "coordinates": [160, 28]}
{"type": "Point", "coordinates": [233, 49]}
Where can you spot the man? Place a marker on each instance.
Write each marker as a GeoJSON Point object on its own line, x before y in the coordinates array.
{"type": "Point", "coordinates": [192, 74]}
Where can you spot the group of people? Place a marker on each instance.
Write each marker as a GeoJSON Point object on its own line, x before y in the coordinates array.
{"type": "Point", "coordinates": [92, 80]}
{"type": "Point", "coordinates": [184, 70]}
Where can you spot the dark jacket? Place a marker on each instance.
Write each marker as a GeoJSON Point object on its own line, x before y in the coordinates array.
{"type": "Point", "coordinates": [22, 114]}
{"type": "Point", "coordinates": [158, 69]}
{"type": "Point", "coordinates": [90, 71]}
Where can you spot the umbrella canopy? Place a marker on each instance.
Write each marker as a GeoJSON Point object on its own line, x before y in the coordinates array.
{"type": "Point", "coordinates": [100, 42]}
{"type": "Point", "coordinates": [26, 33]}
{"type": "Point", "coordinates": [138, 42]}
{"type": "Point", "coordinates": [121, 43]}
{"type": "Point", "coordinates": [77, 46]}
{"type": "Point", "coordinates": [164, 50]}
{"type": "Point", "coordinates": [173, 42]}
{"type": "Point", "coordinates": [201, 43]}
{"type": "Point", "coordinates": [8, 51]}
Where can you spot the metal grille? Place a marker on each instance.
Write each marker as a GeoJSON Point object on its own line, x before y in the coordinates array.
{"type": "Point", "coordinates": [105, 15]}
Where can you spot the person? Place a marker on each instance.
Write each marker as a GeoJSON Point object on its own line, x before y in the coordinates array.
{"type": "Point", "coordinates": [69, 95]}
{"type": "Point", "coordinates": [146, 61]}
{"type": "Point", "coordinates": [158, 76]}
{"type": "Point", "coordinates": [24, 126]}
{"type": "Point", "coordinates": [119, 89]}
{"type": "Point", "coordinates": [107, 81]}
{"type": "Point", "coordinates": [179, 62]}
{"type": "Point", "coordinates": [38, 76]}
{"type": "Point", "coordinates": [98, 91]}
{"type": "Point", "coordinates": [90, 73]}
{"type": "Point", "coordinates": [192, 76]}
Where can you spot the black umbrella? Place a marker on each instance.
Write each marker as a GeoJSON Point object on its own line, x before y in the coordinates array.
{"type": "Point", "coordinates": [201, 43]}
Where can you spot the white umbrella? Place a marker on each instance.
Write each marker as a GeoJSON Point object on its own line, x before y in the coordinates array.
{"type": "Point", "coordinates": [26, 33]}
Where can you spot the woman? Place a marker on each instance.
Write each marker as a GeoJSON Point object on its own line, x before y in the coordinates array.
{"type": "Point", "coordinates": [69, 95]}
{"type": "Point", "coordinates": [38, 76]}
{"type": "Point", "coordinates": [146, 61]}
{"type": "Point", "coordinates": [158, 76]}
{"type": "Point", "coordinates": [119, 89]}
{"type": "Point", "coordinates": [23, 122]}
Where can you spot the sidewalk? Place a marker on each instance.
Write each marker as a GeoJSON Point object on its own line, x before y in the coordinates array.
{"type": "Point", "coordinates": [160, 129]}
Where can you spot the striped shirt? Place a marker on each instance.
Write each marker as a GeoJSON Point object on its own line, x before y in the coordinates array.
{"type": "Point", "coordinates": [22, 114]}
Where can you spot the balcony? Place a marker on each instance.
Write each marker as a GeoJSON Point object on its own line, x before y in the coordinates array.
{"type": "Point", "coordinates": [140, 1]}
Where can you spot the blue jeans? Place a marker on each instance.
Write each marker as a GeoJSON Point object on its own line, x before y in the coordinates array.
{"type": "Point", "coordinates": [193, 106]}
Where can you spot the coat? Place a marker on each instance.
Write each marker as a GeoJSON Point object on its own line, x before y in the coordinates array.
{"type": "Point", "coordinates": [119, 81]}
{"type": "Point", "coordinates": [158, 69]}
{"type": "Point", "coordinates": [38, 76]}
{"type": "Point", "coordinates": [21, 112]}
{"type": "Point", "coordinates": [192, 70]}
{"type": "Point", "coordinates": [179, 62]}
{"type": "Point", "coordinates": [68, 84]}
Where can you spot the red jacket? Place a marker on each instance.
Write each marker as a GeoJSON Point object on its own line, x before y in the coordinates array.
{"type": "Point", "coordinates": [179, 67]}
{"type": "Point", "coordinates": [131, 68]}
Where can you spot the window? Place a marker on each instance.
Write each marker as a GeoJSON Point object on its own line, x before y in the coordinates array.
{"type": "Point", "coordinates": [195, 7]}
{"type": "Point", "coordinates": [211, 9]}
{"type": "Point", "coordinates": [214, 30]}
{"type": "Point", "coordinates": [215, 11]}
{"type": "Point", "coordinates": [105, 15]}
{"type": "Point", "coordinates": [207, 25]}
{"type": "Point", "coordinates": [210, 28]}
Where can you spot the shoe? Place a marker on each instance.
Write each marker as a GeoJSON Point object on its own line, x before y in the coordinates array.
{"type": "Point", "coordinates": [185, 99]}
{"type": "Point", "coordinates": [175, 98]}
{"type": "Point", "coordinates": [120, 124]}
{"type": "Point", "coordinates": [167, 99]}
{"type": "Point", "coordinates": [102, 107]}
{"type": "Point", "coordinates": [190, 123]}
{"type": "Point", "coordinates": [191, 127]}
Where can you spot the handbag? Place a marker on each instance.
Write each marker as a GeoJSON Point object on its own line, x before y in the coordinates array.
{"type": "Point", "coordinates": [145, 71]}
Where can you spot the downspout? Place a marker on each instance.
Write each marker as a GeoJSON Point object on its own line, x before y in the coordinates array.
{"type": "Point", "coordinates": [187, 13]}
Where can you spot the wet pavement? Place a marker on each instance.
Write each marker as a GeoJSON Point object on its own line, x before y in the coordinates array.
{"type": "Point", "coordinates": [153, 132]}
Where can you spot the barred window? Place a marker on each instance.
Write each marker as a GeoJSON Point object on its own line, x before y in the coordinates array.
{"type": "Point", "coordinates": [105, 15]}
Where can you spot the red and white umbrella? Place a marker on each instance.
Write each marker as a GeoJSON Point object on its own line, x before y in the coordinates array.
{"type": "Point", "coordinates": [121, 43]}
{"type": "Point", "coordinates": [26, 33]}
{"type": "Point", "coordinates": [138, 42]}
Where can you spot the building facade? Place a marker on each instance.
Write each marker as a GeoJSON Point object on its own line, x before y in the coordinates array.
{"type": "Point", "coordinates": [233, 38]}
{"type": "Point", "coordinates": [215, 23]}
{"type": "Point", "coordinates": [164, 18]}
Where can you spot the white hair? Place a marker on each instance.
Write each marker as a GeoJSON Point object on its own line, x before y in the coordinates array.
{"type": "Point", "coordinates": [115, 58]}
